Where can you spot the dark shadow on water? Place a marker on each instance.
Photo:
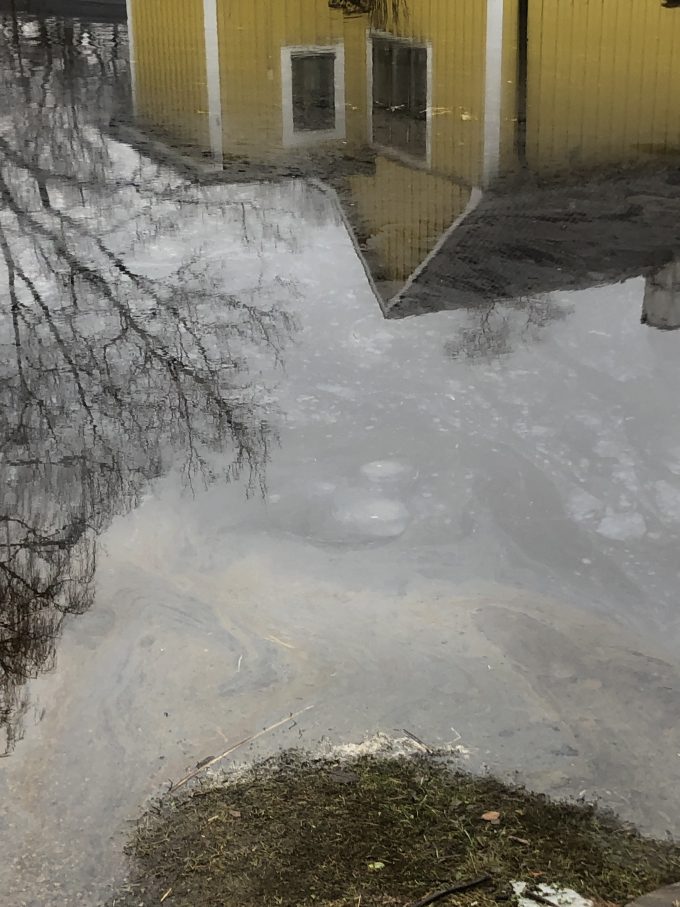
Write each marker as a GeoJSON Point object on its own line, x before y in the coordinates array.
{"type": "Point", "coordinates": [529, 237]}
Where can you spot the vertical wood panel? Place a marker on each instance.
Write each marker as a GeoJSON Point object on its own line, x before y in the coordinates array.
{"type": "Point", "coordinates": [604, 82]}
{"type": "Point", "coordinates": [252, 33]}
{"type": "Point", "coordinates": [170, 70]}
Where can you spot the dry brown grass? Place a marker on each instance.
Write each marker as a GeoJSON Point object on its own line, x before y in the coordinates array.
{"type": "Point", "coordinates": [295, 831]}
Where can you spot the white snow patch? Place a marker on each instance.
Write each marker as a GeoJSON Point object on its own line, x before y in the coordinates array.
{"type": "Point", "coordinates": [389, 747]}
{"type": "Point", "coordinates": [377, 745]}
{"type": "Point", "coordinates": [563, 897]}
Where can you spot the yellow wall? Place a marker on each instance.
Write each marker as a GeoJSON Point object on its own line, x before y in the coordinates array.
{"type": "Point", "coordinates": [604, 81]}
{"type": "Point", "coordinates": [604, 75]}
{"type": "Point", "coordinates": [251, 35]}
{"type": "Point", "coordinates": [354, 30]}
{"type": "Point", "coordinates": [171, 82]}
{"type": "Point", "coordinates": [171, 74]}
{"type": "Point", "coordinates": [508, 158]}
{"type": "Point", "coordinates": [406, 211]}
{"type": "Point", "coordinates": [456, 33]}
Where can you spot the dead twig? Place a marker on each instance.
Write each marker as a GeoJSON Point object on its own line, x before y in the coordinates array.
{"type": "Point", "coordinates": [428, 749]}
{"type": "Point", "coordinates": [452, 889]}
{"type": "Point", "coordinates": [167, 894]}
{"type": "Point", "coordinates": [539, 898]}
{"type": "Point", "coordinates": [207, 763]}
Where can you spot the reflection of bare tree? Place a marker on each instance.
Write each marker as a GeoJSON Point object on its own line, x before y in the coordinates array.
{"type": "Point", "coordinates": [111, 371]}
{"type": "Point", "coordinates": [495, 329]}
{"type": "Point", "coordinates": [382, 12]}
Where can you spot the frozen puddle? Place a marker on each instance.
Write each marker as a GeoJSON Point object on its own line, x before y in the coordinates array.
{"type": "Point", "coordinates": [387, 471]}
{"type": "Point", "coordinates": [370, 516]}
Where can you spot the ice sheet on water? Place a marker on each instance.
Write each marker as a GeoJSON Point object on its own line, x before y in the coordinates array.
{"type": "Point", "coordinates": [372, 516]}
{"type": "Point", "coordinates": [622, 527]}
{"type": "Point", "coordinates": [386, 470]}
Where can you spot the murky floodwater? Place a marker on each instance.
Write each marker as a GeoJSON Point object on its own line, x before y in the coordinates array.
{"type": "Point", "coordinates": [239, 479]}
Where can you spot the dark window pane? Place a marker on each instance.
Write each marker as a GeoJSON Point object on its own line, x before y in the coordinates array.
{"type": "Point", "coordinates": [313, 92]}
{"type": "Point", "coordinates": [400, 96]}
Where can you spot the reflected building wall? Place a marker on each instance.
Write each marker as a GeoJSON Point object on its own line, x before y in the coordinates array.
{"type": "Point", "coordinates": [591, 83]}
{"type": "Point", "coordinates": [410, 198]}
{"type": "Point", "coordinates": [603, 82]}
{"type": "Point", "coordinates": [171, 86]}
{"type": "Point", "coordinates": [251, 38]}
{"type": "Point", "coordinates": [409, 202]}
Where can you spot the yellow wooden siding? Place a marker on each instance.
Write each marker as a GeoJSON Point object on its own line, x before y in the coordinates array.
{"type": "Point", "coordinates": [456, 35]}
{"type": "Point", "coordinates": [356, 88]}
{"type": "Point", "coordinates": [405, 211]}
{"type": "Point", "coordinates": [251, 36]}
{"type": "Point", "coordinates": [508, 156]}
{"type": "Point", "coordinates": [170, 71]}
{"type": "Point", "coordinates": [604, 82]}
{"type": "Point", "coordinates": [604, 88]}
{"type": "Point", "coordinates": [404, 208]}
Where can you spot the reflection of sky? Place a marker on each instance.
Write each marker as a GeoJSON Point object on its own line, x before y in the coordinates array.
{"type": "Point", "coordinates": [435, 532]}
{"type": "Point", "coordinates": [505, 447]}
{"type": "Point", "coordinates": [464, 512]}
{"type": "Point", "coordinates": [409, 485]}
{"type": "Point", "coordinates": [153, 356]}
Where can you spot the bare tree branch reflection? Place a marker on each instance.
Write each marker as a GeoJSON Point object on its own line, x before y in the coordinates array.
{"type": "Point", "coordinates": [380, 11]}
{"type": "Point", "coordinates": [495, 329]}
{"type": "Point", "coordinates": [116, 364]}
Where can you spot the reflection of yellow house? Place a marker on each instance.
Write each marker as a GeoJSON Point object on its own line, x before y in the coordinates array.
{"type": "Point", "coordinates": [452, 94]}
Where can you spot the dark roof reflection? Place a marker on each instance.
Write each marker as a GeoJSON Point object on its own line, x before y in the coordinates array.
{"type": "Point", "coordinates": [530, 239]}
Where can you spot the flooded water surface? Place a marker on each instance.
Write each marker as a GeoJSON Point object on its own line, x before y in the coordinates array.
{"type": "Point", "coordinates": [339, 369]}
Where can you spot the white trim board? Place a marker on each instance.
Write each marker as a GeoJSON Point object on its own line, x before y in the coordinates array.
{"type": "Point", "coordinates": [129, 4]}
{"type": "Point", "coordinates": [290, 136]}
{"type": "Point", "coordinates": [493, 89]}
{"type": "Point", "coordinates": [212, 64]}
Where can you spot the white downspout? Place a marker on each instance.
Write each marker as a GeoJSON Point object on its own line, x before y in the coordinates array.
{"type": "Point", "coordinates": [212, 62]}
{"type": "Point", "coordinates": [131, 49]}
{"type": "Point", "coordinates": [493, 92]}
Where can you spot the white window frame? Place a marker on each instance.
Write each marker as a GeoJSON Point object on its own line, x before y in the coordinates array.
{"type": "Point", "coordinates": [312, 137]}
{"type": "Point", "coordinates": [423, 163]}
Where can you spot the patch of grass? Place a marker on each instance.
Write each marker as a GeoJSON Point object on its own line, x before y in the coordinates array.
{"type": "Point", "coordinates": [298, 832]}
